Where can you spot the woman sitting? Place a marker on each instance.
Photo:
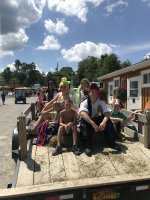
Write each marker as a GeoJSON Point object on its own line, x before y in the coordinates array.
{"type": "Point", "coordinates": [44, 114]}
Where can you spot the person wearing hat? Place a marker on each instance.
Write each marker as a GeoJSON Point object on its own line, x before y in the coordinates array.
{"type": "Point", "coordinates": [95, 117]}
{"type": "Point", "coordinates": [119, 119]}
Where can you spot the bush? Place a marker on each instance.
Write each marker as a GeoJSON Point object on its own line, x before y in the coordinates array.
{"type": "Point", "coordinates": [121, 93]}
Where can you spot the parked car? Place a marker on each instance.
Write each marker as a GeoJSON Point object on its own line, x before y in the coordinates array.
{"type": "Point", "coordinates": [20, 95]}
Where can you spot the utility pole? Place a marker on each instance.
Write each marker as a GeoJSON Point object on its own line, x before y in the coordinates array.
{"type": "Point", "coordinates": [57, 68]}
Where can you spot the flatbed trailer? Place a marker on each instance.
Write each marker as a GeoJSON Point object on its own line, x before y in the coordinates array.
{"type": "Point", "coordinates": [107, 174]}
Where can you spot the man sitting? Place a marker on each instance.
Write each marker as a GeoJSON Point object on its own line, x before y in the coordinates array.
{"type": "Point", "coordinates": [95, 117]}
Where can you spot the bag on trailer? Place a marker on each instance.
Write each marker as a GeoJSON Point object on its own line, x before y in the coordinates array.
{"type": "Point", "coordinates": [45, 131]}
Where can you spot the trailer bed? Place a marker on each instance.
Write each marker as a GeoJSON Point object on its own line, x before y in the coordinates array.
{"type": "Point", "coordinates": [106, 164]}
{"type": "Point", "coordinates": [106, 173]}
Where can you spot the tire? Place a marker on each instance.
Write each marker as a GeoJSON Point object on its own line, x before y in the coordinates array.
{"type": "Point", "coordinates": [15, 143]}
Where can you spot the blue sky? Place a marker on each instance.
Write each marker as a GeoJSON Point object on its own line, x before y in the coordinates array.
{"type": "Point", "coordinates": [66, 31]}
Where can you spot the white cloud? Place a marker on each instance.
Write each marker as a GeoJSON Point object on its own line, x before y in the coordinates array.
{"type": "Point", "coordinates": [114, 45]}
{"type": "Point", "coordinates": [11, 42]}
{"type": "Point", "coordinates": [83, 50]}
{"type": "Point", "coordinates": [16, 16]}
{"type": "Point", "coordinates": [19, 14]}
{"type": "Point", "coordinates": [146, 1]}
{"type": "Point", "coordinates": [50, 43]}
{"type": "Point", "coordinates": [125, 50]}
{"type": "Point", "coordinates": [76, 8]}
{"type": "Point", "coordinates": [38, 68]}
{"type": "Point", "coordinates": [147, 56]}
{"type": "Point", "coordinates": [59, 27]}
{"type": "Point", "coordinates": [114, 5]}
{"type": "Point", "coordinates": [11, 66]}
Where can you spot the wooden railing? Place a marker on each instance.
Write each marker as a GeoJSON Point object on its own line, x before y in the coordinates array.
{"type": "Point", "coordinates": [141, 133]}
{"type": "Point", "coordinates": [22, 132]}
{"type": "Point", "coordinates": [142, 124]}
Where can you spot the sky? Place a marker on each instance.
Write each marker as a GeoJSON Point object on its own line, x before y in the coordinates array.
{"type": "Point", "coordinates": [48, 32]}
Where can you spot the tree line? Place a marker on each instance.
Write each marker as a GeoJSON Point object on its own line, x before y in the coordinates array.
{"type": "Point", "coordinates": [91, 67]}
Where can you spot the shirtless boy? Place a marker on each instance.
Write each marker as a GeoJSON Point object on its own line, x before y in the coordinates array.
{"type": "Point", "coordinates": [68, 118]}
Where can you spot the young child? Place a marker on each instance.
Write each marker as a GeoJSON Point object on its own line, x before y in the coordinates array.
{"type": "Point", "coordinates": [84, 87]}
{"type": "Point", "coordinates": [119, 119]}
{"type": "Point", "coordinates": [39, 101]}
{"type": "Point", "coordinates": [48, 127]}
{"type": "Point", "coordinates": [68, 118]}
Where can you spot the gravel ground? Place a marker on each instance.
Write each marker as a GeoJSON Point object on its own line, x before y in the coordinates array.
{"type": "Point", "coordinates": [8, 118]}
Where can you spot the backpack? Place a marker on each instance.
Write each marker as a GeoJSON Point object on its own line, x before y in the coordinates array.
{"type": "Point", "coordinates": [42, 133]}
{"type": "Point", "coordinates": [45, 131]}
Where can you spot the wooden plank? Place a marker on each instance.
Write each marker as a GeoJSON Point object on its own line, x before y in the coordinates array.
{"type": "Point", "coordinates": [33, 111]}
{"type": "Point", "coordinates": [26, 169]}
{"type": "Point", "coordinates": [106, 167]}
{"type": "Point", "coordinates": [41, 170]}
{"type": "Point", "coordinates": [22, 137]}
{"type": "Point", "coordinates": [125, 163]}
{"type": "Point", "coordinates": [142, 160]}
{"type": "Point", "coordinates": [27, 111]}
{"type": "Point", "coordinates": [57, 169]}
{"type": "Point", "coordinates": [71, 166]}
{"type": "Point", "coordinates": [130, 132]}
{"type": "Point", "coordinates": [134, 134]}
{"type": "Point", "coordinates": [147, 130]}
{"type": "Point", "coordinates": [96, 166]}
{"type": "Point", "coordinates": [146, 151]}
{"type": "Point", "coordinates": [82, 183]}
{"type": "Point", "coordinates": [141, 117]}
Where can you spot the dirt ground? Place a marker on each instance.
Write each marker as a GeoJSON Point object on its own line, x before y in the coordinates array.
{"type": "Point", "coordinates": [8, 118]}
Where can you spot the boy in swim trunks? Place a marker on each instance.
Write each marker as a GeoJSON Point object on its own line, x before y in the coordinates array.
{"type": "Point", "coordinates": [68, 123]}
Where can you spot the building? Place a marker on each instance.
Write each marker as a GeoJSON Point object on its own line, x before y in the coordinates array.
{"type": "Point", "coordinates": [135, 78]}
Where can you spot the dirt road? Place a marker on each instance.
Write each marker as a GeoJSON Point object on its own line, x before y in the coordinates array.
{"type": "Point", "coordinates": [8, 116]}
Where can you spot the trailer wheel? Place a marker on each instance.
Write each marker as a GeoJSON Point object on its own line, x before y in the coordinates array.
{"type": "Point", "coordinates": [15, 143]}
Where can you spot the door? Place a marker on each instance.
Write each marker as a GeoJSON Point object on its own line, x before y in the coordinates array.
{"type": "Point", "coordinates": [134, 93]}
{"type": "Point", "coordinates": [110, 92]}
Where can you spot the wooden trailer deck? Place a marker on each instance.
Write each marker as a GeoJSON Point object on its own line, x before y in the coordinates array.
{"type": "Point", "coordinates": [104, 167]}
{"type": "Point", "coordinates": [39, 172]}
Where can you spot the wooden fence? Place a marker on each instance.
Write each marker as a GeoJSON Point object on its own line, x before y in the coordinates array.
{"type": "Point", "coordinates": [22, 132]}
{"type": "Point", "coordinates": [141, 133]}
{"type": "Point", "coordinates": [142, 127]}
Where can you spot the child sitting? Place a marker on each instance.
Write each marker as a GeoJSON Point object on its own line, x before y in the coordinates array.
{"type": "Point", "coordinates": [119, 119]}
{"type": "Point", "coordinates": [39, 101]}
{"type": "Point", "coordinates": [48, 127]}
{"type": "Point", "coordinates": [68, 118]}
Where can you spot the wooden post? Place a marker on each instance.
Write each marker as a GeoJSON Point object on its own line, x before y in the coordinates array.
{"type": "Point", "coordinates": [33, 111]}
{"type": "Point", "coordinates": [140, 124]}
{"type": "Point", "coordinates": [22, 137]}
{"type": "Point", "coordinates": [147, 130]}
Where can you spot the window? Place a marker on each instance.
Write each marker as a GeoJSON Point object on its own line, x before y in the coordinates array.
{"type": "Point", "coordinates": [146, 78]}
{"type": "Point", "coordinates": [110, 90]}
{"type": "Point", "coordinates": [134, 89]}
{"type": "Point", "coordinates": [116, 82]}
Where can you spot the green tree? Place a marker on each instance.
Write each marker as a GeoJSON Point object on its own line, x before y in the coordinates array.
{"type": "Point", "coordinates": [87, 68]}
{"type": "Point", "coordinates": [27, 74]}
{"type": "Point", "coordinates": [125, 64]}
{"type": "Point", "coordinates": [68, 73]}
{"type": "Point", "coordinates": [7, 75]}
{"type": "Point", "coordinates": [109, 64]}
